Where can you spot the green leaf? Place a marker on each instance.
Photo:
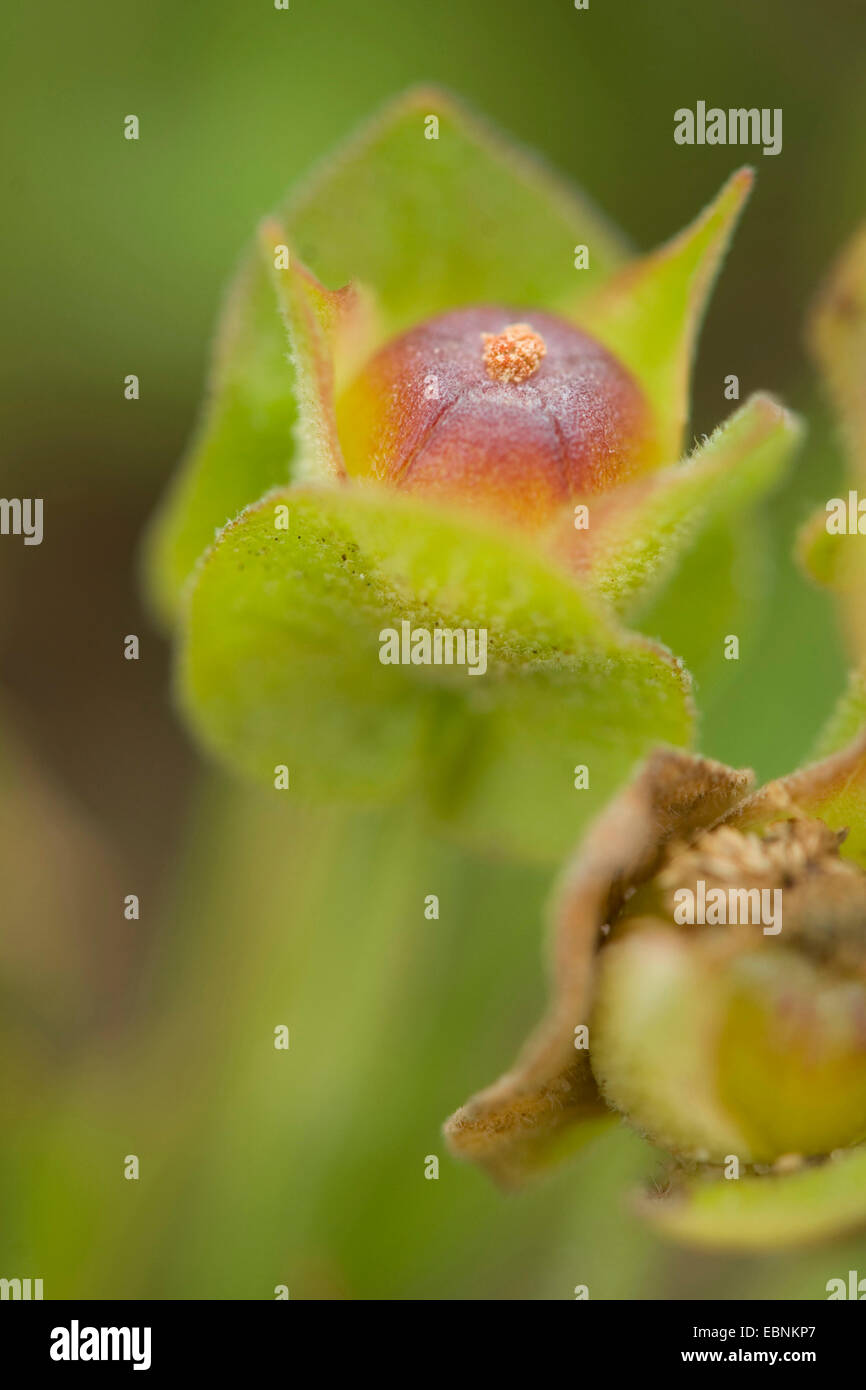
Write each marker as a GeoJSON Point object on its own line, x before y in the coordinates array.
{"type": "Point", "coordinates": [769, 1212]}
{"type": "Point", "coordinates": [838, 562]}
{"type": "Point", "coordinates": [330, 332]}
{"type": "Point", "coordinates": [848, 720]}
{"type": "Point", "coordinates": [838, 339]}
{"type": "Point", "coordinates": [649, 314]}
{"type": "Point", "coordinates": [281, 666]}
{"type": "Point", "coordinates": [638, 534]}
{"type": "Point", "coordinates": [429, 224]}
{"type": "Point", "coordinates": [832, 789]}
{"type": "Point", "coordinates": [719, 585]}
{"type": "Point", "coordinates": [426, 225]}
{"type": "Point", "coordinates": [827, 558]}
{"type": "Point", "coordinates": [837, 335]}
{"type": "Point", "coordinates": [243, 443]}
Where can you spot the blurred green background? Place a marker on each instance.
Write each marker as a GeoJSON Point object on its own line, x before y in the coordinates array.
{"type": "Point", "coordinates": [306, 1168]}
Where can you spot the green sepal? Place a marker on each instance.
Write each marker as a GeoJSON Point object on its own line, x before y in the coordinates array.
{"type": "Point", "coordinates": [281, 665]}
{"type": "Point", "coordinates": [766, 1212]}
{"type": "Point", "coordinates": [639, 533]}
{"type": "Point", "coordinates": [649, 314]}
{"type": "Point", "coordinates": [426, 224]}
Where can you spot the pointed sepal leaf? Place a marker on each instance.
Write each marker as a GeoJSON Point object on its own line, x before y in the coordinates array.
{"type": "Point", "coordinates": [329, 334]}
{"type": "Point", "coordinates": [432, 216]}
{"type": "Point", "coordinates": [243, 443]}
{"type": "Point", "coordinates": [281, 666]}
{"type": "Point", "coordinates": [649, 314]}
{"type": "Point", "coordinates": [639, 534]}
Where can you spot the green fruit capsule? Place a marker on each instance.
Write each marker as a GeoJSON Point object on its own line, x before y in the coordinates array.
{"type": "Point", "coordinates": [740, 1037]}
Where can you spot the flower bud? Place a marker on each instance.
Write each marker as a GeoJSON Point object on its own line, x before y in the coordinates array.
{"type": "Point", "coordinates": [721, 1036]}
{"type": "Point", "coordinates": [504, 412]}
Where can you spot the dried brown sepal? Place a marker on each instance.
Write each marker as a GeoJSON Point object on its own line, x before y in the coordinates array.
{"type": "Point", "coordinates": [514, 1126]}
{"type": "Point", "coordinates": [833, 790]}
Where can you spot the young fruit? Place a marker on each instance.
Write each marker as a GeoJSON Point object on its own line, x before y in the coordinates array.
{"type": "Point", "coordinates": [501, 411]}
{"type": "Point", "coordinates": [738, 1038]}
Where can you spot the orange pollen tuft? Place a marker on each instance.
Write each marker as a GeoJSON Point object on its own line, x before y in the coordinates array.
{"type": "Point", "coordinates": [515, 354]}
